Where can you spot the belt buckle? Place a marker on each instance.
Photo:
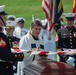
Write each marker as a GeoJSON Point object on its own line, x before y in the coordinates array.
{"type": "Point", "coordinates": [49, 38]}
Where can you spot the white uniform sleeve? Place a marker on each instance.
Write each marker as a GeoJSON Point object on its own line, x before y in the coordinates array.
{"type": "Point", "coordinates": [22, 43]}
{"type": "Point", "coordinates": [25, 43]}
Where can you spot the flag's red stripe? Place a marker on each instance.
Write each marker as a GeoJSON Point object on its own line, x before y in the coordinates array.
{"type": "Point", "coordinates": [48, 9]}
{"type": "Point", "coordinates": [46, 13]}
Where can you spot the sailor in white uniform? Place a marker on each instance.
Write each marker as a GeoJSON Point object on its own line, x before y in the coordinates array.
{"type": "Point", "coordinates": [11, 17]}
{"type": "Point", "coordinates": [31, 41]}
{"type": "Point", "coordinates": [20, 30]}
{"type": "Point", "coordinates": [49, 43]}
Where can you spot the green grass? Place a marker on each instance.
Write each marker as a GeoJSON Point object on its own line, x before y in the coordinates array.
{"type": "Point", "coordinates": [27, 8]}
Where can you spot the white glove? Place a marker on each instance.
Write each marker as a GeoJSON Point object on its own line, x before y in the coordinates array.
{"type": "Point", "coordinates": [70, 61]}
{"type": "Point", "coordinates": [14, 67]}
{"type": "Point", "coordinates": [26, 54]}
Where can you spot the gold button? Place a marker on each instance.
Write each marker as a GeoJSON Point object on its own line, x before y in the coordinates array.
{"type": "Point", "coordinates": [71, 46]}
{"type": "Point", "coordinates": [19, 55]}
{"type": "Point", "coordinates": [70, 39]}
{"type": "Point", "coordinates": [70, 42]}
{"type": "Point", "coordinates": [70, 30]}
{"type": "Point", "coordinates": [70, 36]}
{"type": "Point", "coordinates": [6, 66]}
{"type": "Point", "coordinates": [70, 33]}
{"type": "Point", "coordinates": [15, 55]}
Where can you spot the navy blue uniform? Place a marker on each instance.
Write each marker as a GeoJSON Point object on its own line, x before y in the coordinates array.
{"type": "Point", "coordinates": [67, 38]}
{"type": "Point", "coordinates": [14, 43]}
{"type": "Point", "coordinates": [6, 57]}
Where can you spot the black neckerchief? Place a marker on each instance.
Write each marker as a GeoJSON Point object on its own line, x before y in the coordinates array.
{"type": "Point", "coordinates": [35, 38]}
{"type": "Point", "coordinates": [10, 37]}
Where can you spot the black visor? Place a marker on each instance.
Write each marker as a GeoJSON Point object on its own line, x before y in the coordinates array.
{"type": "Point", "coordinates": [70, 18]}
{"type": "Point", "coordinates": [3, 13]}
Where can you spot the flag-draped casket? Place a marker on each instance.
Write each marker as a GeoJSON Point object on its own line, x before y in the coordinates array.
{"type": "Point", "coordinates": [49, 67]}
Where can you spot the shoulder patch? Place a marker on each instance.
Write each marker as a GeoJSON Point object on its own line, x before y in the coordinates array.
{"type": "Point", "coordinates": [2, 43]}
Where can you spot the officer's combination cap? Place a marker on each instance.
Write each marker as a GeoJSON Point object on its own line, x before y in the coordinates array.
{"type": "Point", "coordinates": [11, 17]}
{"type": "Point", "coordinates": [20, 20]}
{"type": "Point", "coordinates": [10, 24]}
{"type": "Point", "coordinates": [2, 12]}
{"type": "Point", "coordinates": [70, 16]}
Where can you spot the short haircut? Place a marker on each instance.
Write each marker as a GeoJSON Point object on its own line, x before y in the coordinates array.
{"type": "Point", "coordinates": [36, 23]}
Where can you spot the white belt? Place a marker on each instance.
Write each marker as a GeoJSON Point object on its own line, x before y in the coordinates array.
{"type": "Point", "coordinates": [5, 61]}
{"type": "Point", "coordinates": [65, 49]}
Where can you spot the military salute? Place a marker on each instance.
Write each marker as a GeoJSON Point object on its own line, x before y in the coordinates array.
{"type": "Point", "coordinates": [67, 38]}
{"type": "Point", "coordinates": [6, 56]}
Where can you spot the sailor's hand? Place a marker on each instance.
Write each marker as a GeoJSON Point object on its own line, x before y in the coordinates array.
{"type": "Point", "coordinates": [38, 48]}
{"type": "Point", "coordinates": [71, 61]}
{"type": "Point", "coordinates": [59, 49]}
{"type": "Point", "coordinates": [26, 54]}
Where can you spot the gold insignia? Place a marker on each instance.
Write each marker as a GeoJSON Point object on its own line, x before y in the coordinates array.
{"type": "Point", "coordinates": [2, 43]}
{"type": "Point", "coordinates": [15, 44]}
{"type": "Point", "coordinates": [74, 34]}
{"type": "Point", "coordinates": [64, 34]}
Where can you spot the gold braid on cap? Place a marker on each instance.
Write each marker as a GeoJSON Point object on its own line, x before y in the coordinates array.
{"type": "Point", "coordinates": [9, 27]}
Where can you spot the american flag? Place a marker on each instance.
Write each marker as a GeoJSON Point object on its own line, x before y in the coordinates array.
{"type": "Point", "coordinates": [58, 9]}
{"type": "Point", "coordinates": [47, 6]}
{"type": "Point", "coordinates": [74, 6]}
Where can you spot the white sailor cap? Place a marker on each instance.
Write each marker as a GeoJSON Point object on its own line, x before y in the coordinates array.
{"type": "Point", "coordinates": [2, 12]}
{"type": "Point", "coordinates": [20, 20]}
{"type": "Point", "coordinates": [70, 16]}
{"type": "Point", "coordinates": [74, 21]}
{"type": "Point", "coordinates": [11, 17]}
{"type": "Point", "coordinates": [10, 24]}
{"type": "Point", "coordinates": [44, 22]}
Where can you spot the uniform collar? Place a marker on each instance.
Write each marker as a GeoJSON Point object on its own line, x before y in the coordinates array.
{"type": "Point", "coordinates": [10, 37]}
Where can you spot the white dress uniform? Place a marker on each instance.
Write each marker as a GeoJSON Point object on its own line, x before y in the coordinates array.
{"type": "Point", "coordinates": [49, 44]}
{"type": "Point", "coordinates": [25, 43]}
{"type": "Point", "coordinates": [19, 32]}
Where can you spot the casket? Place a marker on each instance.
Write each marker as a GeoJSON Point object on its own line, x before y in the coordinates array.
{"type": "Point", "coordinates": [49, 67]}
